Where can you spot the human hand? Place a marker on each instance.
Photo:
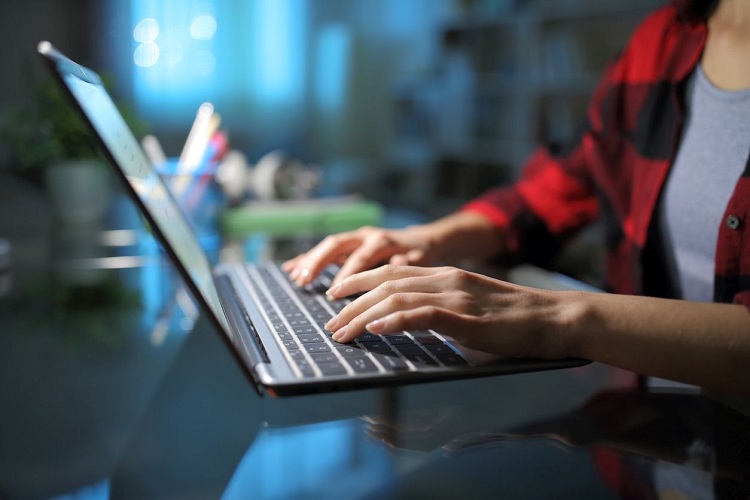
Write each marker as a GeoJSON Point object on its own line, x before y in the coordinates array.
{"type": "Point", "coordinates": [364, 249]}
{"type": "Point", "coordinates": [479, 312]}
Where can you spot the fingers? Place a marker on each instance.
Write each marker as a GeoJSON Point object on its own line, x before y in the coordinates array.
{"type": "Point", "coordinates": [412, 257]}
{"type": "Point", "coordinates": [360, 250]}
{"type": "Point", "coordinates": [304, 268]}
{"type": "Point", "coordinates": [371, 253]}
{"type": "Point", "coordinates": [352, 320]}
{"type": "Point", "coordinates": [421, 317]}
{"type": "Point", "coordinates": [356, 251]}
{"type": "Point", "coordinates": [399, 260]}
{"type": "Point", "coordinates": [409, 289]}
{"type": "Point", "coordinates": [370, 279]}
{"type": "Point", "coordinates": [417, 257]}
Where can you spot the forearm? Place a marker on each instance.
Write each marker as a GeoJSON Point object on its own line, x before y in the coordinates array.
{"type": "Point", "coordinates": [698, 343]}
{"type": "Point", "coordinates": [465, 236]}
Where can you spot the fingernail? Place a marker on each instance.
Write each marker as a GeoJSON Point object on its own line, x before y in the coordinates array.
{"type": "Point", "coordinates": [337, 336]}
{"type": "Point", "coordinates": [302, 278]}
{"type": "Point", "coordinates": [331, 292]}
{"type": "Point", "coordinates": [375, 326]}
{"type": "Point", "coordinates": [294, 273]}
{"type": "Point", "coordinates": [332, 323]}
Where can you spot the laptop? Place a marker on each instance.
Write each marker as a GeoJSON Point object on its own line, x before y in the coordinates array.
{"type": "Point", "coordinates": [272, 327]}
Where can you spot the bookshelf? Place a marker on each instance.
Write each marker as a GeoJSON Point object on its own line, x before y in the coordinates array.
{"type": "Point", "coordinates": [506, 80]}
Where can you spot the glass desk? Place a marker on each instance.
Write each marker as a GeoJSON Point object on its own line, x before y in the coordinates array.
{"type": "Point", "coordinates": [112, 385]}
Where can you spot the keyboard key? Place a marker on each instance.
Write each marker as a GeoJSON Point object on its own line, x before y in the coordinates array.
{"type": "Point", "coordinates": [320, 285]}
{"type": "Point", "coordinates": [369, 337]}
{"type": "Point", "coordinates": [300, 330]}
{"type": "Point", "coordinates": [379, 346]}
{"type": "Point", "coordinates": [391, 362]}
{"type": "Point", "coordinates": [313, 306]}
{"type": "Point", "coordinates": [294, 323]}
{"type": "Point", "coordinates": [350, 351]}
{"type": "Point", "coordinates": [439, 349]}
{"type": "Point", "coordinates": [362, 364]}
{"type": "Point", "coordinates": [321, 317]}
{"type": "Point", "coordinates": [324, 357]}
{"type": "Point", "coordinates": [310, 338]}
{"type": "Point", "coordinates": [332, 368]}
{"type": "Point", "coordinates": [338, 305]}
{"type": "Point", "coordinates": [290, 345]}
{"type": "Point", "coordinates": [398, 339]}
{"type": "Point", "coordinates": [273, 318]}
{"type": "Point", "coordinates": [325, 278]}
{"type": "Point", "coordinates": [320, 347]}
{"type": "Point", "coordinates": [297, 354]}
{"type": "Point", "coordinates": [426, 338]}
{"type": "Point", "coordinates": [416, 355]}
{"type": "Point", "coordinates": [451, 360]}
{"type": "Point", "coordinates": [285, 336]}
{"type": "Point", "coordinates": [306, 368]}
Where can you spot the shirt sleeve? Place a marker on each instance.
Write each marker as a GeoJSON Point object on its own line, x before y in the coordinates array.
{"type": "Point", "coordinates": [546, 205]}
{"type": "Point", "coordinates": [544, 208]}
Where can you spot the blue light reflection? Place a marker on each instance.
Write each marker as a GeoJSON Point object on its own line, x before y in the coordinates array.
{"type": "Point", "coordinates": [226, 51]}
{"type": "Point", "coordinates": [325, 460]}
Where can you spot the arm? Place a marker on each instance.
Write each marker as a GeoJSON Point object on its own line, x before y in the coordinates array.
{"type": "Point", "coordinates": [700, 343]}
{"type": "Point", "coordinates": [706, 344]}
{"type": "Point", "coordinates": [464, 235]}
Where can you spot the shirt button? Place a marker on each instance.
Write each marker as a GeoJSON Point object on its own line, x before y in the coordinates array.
{"type": "Point", "coordinates": [733, 222]}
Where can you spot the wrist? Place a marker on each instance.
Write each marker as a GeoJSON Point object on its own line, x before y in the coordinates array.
{"type": "Point", "coordinates": [577, 317]}
{"type": "Point", "coordinates": [463, 235]}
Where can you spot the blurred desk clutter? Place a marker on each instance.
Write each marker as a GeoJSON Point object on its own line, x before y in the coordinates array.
{"type": "Point", "coordinates": [300, 217]}
{"type": "Point", "coordinates": [218, 188]}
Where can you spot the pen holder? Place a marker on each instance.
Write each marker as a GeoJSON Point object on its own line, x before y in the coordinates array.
{"type": "Point", "coordinates": [198, 195]}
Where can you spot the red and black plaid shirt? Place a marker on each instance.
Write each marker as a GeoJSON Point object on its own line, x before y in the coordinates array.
{"type": "Point", "coordinates": [617, 168]}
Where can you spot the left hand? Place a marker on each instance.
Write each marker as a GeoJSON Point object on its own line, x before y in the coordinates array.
{"type": "Point", "coordinates": [479, 312]}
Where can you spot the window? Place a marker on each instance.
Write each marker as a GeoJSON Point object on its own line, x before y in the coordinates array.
{"type": "Point", "coordinates": [246, 57]}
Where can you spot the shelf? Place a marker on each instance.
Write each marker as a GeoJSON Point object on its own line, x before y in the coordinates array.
{"type": "Point", "coordinates": [511, 20]}
{"type": "Point", "coordinates": [581, 86]}
{"type": "Point", "coordinates": [503, 152]}
{"type": "Point", "coordinates": [593, 11]}
{"type": "Point", "coordinates": [527, 78]}
{"type": "Point", "coordinates": [503, 85]}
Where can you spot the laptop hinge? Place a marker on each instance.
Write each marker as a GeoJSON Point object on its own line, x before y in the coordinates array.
{"type": "Point", "coordinates": [240, 321]}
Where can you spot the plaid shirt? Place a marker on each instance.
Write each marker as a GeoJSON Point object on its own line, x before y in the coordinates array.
{"type": "Point", "coordinates": [616, 170]}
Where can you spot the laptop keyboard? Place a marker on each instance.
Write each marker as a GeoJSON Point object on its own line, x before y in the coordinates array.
{"type": "Point", "coordinates": [297, 316]}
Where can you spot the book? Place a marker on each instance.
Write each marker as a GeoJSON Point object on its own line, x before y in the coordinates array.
{"type": "Point", "coordinates": [300, 217]}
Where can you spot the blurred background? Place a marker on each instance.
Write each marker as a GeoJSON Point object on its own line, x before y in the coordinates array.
{"type": "Point", "coordinates": [418, 104]}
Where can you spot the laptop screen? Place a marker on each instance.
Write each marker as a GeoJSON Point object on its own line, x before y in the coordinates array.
{"type": "Point", "coordinates": [127, 154]}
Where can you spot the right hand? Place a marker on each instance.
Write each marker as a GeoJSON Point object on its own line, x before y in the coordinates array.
{"type": "Point", "coordinates": [364, 249]}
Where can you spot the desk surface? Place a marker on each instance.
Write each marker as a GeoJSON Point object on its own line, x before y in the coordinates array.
{"type": "Point", "coordinates": [112, 385]}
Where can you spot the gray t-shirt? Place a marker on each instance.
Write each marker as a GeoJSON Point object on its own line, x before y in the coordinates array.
{"type": "Point", "coordinates": [711, 157]}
